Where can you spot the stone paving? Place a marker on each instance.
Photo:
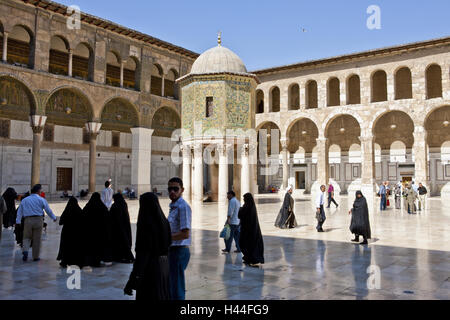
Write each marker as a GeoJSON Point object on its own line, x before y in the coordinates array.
{"type": "Point", "coordinates": [411, 253]}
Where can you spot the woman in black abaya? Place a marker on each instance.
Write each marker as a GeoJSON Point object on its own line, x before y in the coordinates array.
{"type": "Point", "coordinates": [9, 217]}
{"type": "Point", "coordinates": [251, 241]}
{"type": "Point", "coordinates": [360, 225]}
{"type": "Point", "coordinates": [70, 249]}
{"type": "Point", "coordinates": [150, 275]}
{"type": "Point", "coordinates": [121, 231]}
{"type": "Point", "coordinates": [95, 216]}
{"type": "Point", "coordinates": [286, 217]}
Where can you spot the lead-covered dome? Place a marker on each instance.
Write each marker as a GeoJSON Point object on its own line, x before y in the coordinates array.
{"type": "Point", "coordinates": [217, 60]}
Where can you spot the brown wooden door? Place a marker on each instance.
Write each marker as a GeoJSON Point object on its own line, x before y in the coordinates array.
{"type": "Point", "coordinates": [64, 179]}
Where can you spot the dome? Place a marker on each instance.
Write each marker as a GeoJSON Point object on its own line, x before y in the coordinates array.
{"type": "Point", "coordinates": [217, 60]}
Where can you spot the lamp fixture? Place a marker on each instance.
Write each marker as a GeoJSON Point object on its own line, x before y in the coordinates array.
{"type": "Point", "coordinates": [342, 129]}
{"type": "Point", "coordinates": [68, 110]}
{"type": "Point", "coordinates": [118, 117]}
{"type": "Point", "coordinates": [445, 123]}
{"type": "Point", "coordinates": [3, 101]}
{"type": "Point", "coordinates": [393, 125]}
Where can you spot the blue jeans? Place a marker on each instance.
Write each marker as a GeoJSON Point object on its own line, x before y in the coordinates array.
{"type": "Point", "coordinates": [178, 262]}
{"type": "Point", "coordinates": [383, 202]}
{"type": "Point", "coordinates": [234, 234]}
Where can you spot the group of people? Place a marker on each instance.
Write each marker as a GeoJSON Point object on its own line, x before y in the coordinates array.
{"type": "Point", "coordinates": [415, 196]}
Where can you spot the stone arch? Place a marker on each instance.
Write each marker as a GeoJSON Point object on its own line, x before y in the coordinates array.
{"type": "Point", "coordinates": [21, 46]}
{"type": "Point", "coordinates": [274, 99]}
{"type": "Point", "coordinates": [302, 132]}
{"type": "Point", "coordinates": [59, 55]}
{"type": "Point", "coordinates": [403, 83]}
{"type": "Point", "coordinates": [334, 153]}
{"type": "Point", "coordinates": [433, 79]}
{"type": "Point", "coordinates": [294, 96]}
{"type": "Point", "coordinates": [259, 101]}
{"type": "Point", "coordinates": [131, 72]}
{"type": "Point", "coordinates": [17, 101]}
{"type": "Point", "coordinates": [397, 151]}
{"type": "Point", "coordinates": [437, 126]}
{"type": "Point", "coordinates": [83, 62]}
{"type": "Point", "coordinates": [353, 89]}
{"type": "Point", "coordinates": [355, 153]}
{"type": "Point", "coordinates": [119, 114]}
{"type": "Point", "coordinates": [311, 94]}
{"type": "Point", "coordinates": [333, 115]}
{"type": "Point", "coordinates": [344, 130]}
{"type": "Point", "coordinates": [269, 126]}
{"type": "Point", "coordinates": [165, 121]}
{"type": "Point", "coordinates": [393, 125]}
{"type": "Point", "coordinates": [170, 86]}
{"type": "Point", "coordinates": [157, 73]}
{"type": "Point", "coordinates": [113, 61]}
{"type": "Point", "coordinates": [333, 92]}
{"type": "Point", "coordinates": [378, 84]}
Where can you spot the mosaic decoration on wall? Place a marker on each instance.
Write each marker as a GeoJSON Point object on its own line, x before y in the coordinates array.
{"type": "Point", "coordinates": [165, 121]}
{"type": "Point", "coordinates": [118, 115]}
{"type": "Point", "coordinates": [238, 105]}
{"type": "Point", "coordinates": [66, 107]}
{"type": "Point", "coordinates": [14, 100]}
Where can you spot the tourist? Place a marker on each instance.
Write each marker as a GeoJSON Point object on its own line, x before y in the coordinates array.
{"type": "Point", "coordinates": [251, 240]}
{"type": "Point", "coordinates": [83, 193]}
{"type": "Point", "coordinates": [150, 275]}
{"type": "Point", "coordinates": [360, 224]}
{"type": "Point", "coordinates": [331, 196]}
{"type": "Point", "coordinates": [411, 196]}
{"type": "Point", "coordinates": [388, 193]}
{"type": "Point", "coordinates": [180, 219]}
{"type": "Point", "coordinates": [3, 210]}
{"type": "Point", "coordinates": [422, 196]}
{"type": "Point", "coordinates": [107, 195]}
{"type": "Point", "coordinates": [320, 212]}
{"type": "Point", "coordinates": [70, 249]}
{"type": "Point", "coordinates": [32, 210]}
{"type": "Point", "coordinates": [382, 195]}
{"type": "Point", "coordinates": [398, 195]}
{"type": "Point", "coordinates": [65, 194]}
{"type": "Point", "coordinates": [9, 217]}
{"type": "Point", "coordinates": [233, 222]}
{"type": "Point", "coordinates": [121, 231]}
{"type": "Point", "coordinates": [286, 216]}
{"type": "Point", "coordinates": [95, 216]}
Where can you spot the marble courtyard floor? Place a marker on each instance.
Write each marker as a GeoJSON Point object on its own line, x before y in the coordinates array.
{"type": "Point", "coordinates": [411, 253]}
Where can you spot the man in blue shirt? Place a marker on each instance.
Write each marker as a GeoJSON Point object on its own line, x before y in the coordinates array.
{"type": "Point", "coordinates": [382, 193]}
{"type": "Point", "coordinates": [32, 209]}
{"type": "Point", "coordinates": [233, 222]}
{"type": "Point", "coordinates": [180, 218]}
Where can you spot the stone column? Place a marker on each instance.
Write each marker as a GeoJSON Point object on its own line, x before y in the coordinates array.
{"type": "Point", "coordinates": [70, 62]}
{"type": "Point", "coordinates": [322, 161]}
{"type": "Point", "coordinates": [141, 159]}
{"type": "Point", "coordinates": [122, 64]}
{"type": "Point", "coordinates": [245, 171]}
{"type": "Point", "coordinates": [93, 128]}
{"type": "Point", "coordinates": [420, 155]}
{"type": "Point", "coordinates": [162, 86]}
{"type": "Point", "coordinates": [187, 160]}
{"type": "Point", "coordinates": [5, 47]}
{"type": "Point", "coordinates": [37, 124]}
{"type": "Point", "coordinates": [222, 149]}
{"type": "Point", "coordinates": [284, 146]}
{"type": "Point", "coordinates": [198, 173]}
{"type": "Point", "coordinates": [368, 169]}
{"type": "Point", "coordinates": [390, 87]}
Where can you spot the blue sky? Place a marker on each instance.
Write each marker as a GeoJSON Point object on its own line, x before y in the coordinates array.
{"type": "Point", "coordinates": [268, 33]}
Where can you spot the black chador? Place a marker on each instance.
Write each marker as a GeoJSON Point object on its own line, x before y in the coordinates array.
{"type": "Point", "coordinates": [9, 217]}
{"type": "Point", "coordinates": [95, 216]}
{"type": "Point", "coordinates": [360, 225]}
{"type": "Point", "coordinates": [121, 230]}
{"type": "Point", "coordinates": [286, 217]}
{"type": "Point", "coordinates": [70, 247]}
{"type": "Point", "coordinates": [251, 240]}
{"type": "Point", "coordinates": [150, 275]}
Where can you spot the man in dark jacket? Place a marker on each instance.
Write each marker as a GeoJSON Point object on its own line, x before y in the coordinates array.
{"type": "Point", "coordinates": [422, 196]}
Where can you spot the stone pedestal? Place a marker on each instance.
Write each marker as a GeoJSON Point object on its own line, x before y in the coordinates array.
{"type": "Point", "coordinates": [141, 157]}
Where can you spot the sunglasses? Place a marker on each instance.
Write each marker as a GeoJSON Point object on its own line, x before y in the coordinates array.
{"type": "Point", "coordinates": [174, 189]}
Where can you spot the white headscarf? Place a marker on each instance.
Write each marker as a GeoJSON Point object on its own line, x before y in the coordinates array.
{"type": "Point", "coordinates": [288, 188]}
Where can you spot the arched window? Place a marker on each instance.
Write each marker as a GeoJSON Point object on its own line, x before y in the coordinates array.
{"type": "Point", "coordinates": [83, 62]}
{"type": "Point", "coordinates": [379, 86]}
{"type": "Point", "coordinates": [311, 94]}
{"type": "Point", "coordinates": [294, 97]}
{"type": "Point", "coordinates": [445, 152]}
{"type": "Point", "coordinates": [299, 156]}
{"type": "Point", "coordinates": [275, 100]}
{"type": "Point", "coordinates": [314, 154]}
{"type": "Point", "coordinates": [403, 84]}
{"type": "Point", "coordinates": [334, 154]}
{"type": "Point", "coordinates": [113, 69]}
{"type": "Point", "coordinates": [129, 73]}
{"type": "Point", "coordinates": [433, 77]}
{"type": "Point", "coordinates": [333, 92]}
{"type": "Point", "coordinates": [259, 101]}
{"type": "Point", "coordinates": [170, 87]}
{"type": "Point", "coordinates": [156, 81]}
{"type": "Point", "coordinates": [354, 154]}
{"type": "Point", "coordinates": [398, 152]}
{"type": "Point", "coordinates": [59, 56]}
{"type": "Point", "coordinates": [20, 47]}
{"type": "Point", "coordinates": [353, 90]}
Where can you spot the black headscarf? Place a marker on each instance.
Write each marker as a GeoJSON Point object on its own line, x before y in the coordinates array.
{"type": "Point", "coordinates": [121, 236]}
{"type": "Point", "coordinates": [9, 217]}
{"type": "Point", "coordinates": [153, 229]}
{"type": "Point", "coordinates": [360, 224]}
{"type": "Point", "coordinates": [251, 241]}
{"type": "Point", "coordinates": [72, 211]}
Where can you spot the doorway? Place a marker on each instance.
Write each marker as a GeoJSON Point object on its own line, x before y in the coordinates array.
{"type": "Point", "coordinates": [63, 179]}
{"type": "Point", "coordinates": [300, 180]}
{"type": "Point", "coordinates": [406, 180]}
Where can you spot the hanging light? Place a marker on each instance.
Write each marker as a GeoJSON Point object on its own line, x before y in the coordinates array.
{"type": "Point", "coordinates": [68, 110]}
{"type": "Point", "coordinates": [342, 129]}
{"type": "Point", "coordinates": [393, 125]}
{"type": "Point", "coordinates": [304, 132]}
{"type": "Point", "coordinates": [118, 117]}
{"type": "Point", "coordinates": [3, 101]}
{"type": "Point", "coordinates": [446, 122]}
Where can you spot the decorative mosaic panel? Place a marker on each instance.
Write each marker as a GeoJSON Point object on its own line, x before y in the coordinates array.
{"type": "Point", "coordinates": [119, 115]}
{"type": "Point", "coordinates": [66, 107]}
{"type": "Point", "coordinates": [165, 122]}
{"type": "Point", "coordinates": [14, 100]}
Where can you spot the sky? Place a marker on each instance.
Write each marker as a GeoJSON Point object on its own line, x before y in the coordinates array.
{"type": "Point", "coordinates": [267, 34]}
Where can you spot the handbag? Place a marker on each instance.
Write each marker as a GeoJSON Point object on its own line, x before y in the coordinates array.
{"type": "Point", "coordinates": [226, 232]}
{"type": "Point", "coordinates": [387, 203]}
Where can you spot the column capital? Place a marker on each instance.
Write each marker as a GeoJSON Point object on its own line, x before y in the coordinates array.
{"type": "Point", "coordinates": [5, 34]}
{"type": "Point", "coordinates": [284, 144]}
{"type": "Point", "coordinates": [93, 127]}
{"type": "Point", "coordinates": [71, 51]}
{"type": "Point", "coordinates": [223, 148]}
{"type": "Point", "coordinates": [419, 130]}
{"type": "Point", "coordinates": [198, 149]}
{"type": "Point", "coordinates": [245, 150]}
{"type": "Point", "coordinates": [37, 123]}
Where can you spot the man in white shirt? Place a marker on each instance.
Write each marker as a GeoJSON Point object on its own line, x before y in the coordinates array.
{"type": "Point", "coordinates": [107, 195]}
{"type": "Point", "coordinates": [320, 213]}
{"type": "Point", "coordinates": [233, 220]}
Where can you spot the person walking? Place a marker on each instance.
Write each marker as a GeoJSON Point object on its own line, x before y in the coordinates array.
{"type": "Point", "coordinates": [9, 217]}
{"type": "Point", "coordinates": [331, 196]}
{"type": "Point", "coordinates": [422, 196]}
{"type": "Point", "coordinates": [286, 217]}
{"type": "Point", "coordinates": [121, 231]}
{"type": "Point", "coordinates": [251, 240]}
{"type": "Point", "coordinates": [3, 210]}
{"type": "Point", "coordinates": [32, 209]}
{"type": "Point", "coordinates": [360, 224]}
{"type": "Point", "coordinates": [382, 194]}
{"type": "Point", "coordinates": [398, 195]}
{"type": "Point", "coordinates": [107, 195]}
{"type": "Point", "coordinates": [180, 219]}
{"type": "Point", "coordinates": [233, 222]}
{"type": "Point", "coordinates": [411, 197]}
{"type": "Point", "coordinates": [150, 274]}
{"type": "Point", "coordinates": [320, 212]}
